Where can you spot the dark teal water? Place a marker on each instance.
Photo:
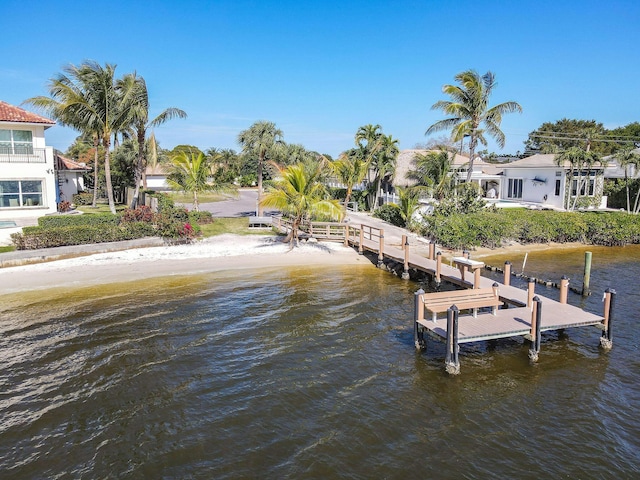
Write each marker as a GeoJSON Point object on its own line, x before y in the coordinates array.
{"type": "Point", "coordinates": [305, 373]}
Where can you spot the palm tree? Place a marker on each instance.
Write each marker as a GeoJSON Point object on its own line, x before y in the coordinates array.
{"type": "Point", "coordinates": [627, 157]}
{"type": "Point", "coordinates": [298, 194]}
{"type": "Point", "coordinates": [70, 105]}
{"type": "Point", "coordinates": [350, 169]}
{"type": "Point", "coordinates": [579, 161]}
{"type": "Point", "coordinates": [191, 173]}
{"type": "Point", "coordinates": [385, 162]}
{"type": "Point", "coordinates": [433, 169]}
{"type": "Point", "coordinates": [409, 203]}
{"type": "Point", "coordinates": [138, 116]}
{"type": "Point", "coordinates": [262, 139]}
{"type": "Point", "coordinates": [469, 110]}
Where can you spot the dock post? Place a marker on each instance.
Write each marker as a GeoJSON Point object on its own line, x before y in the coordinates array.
{"type": "Point", "coordinates": [360, 247]}
{"type": "Point", "coordinates": [418, 314]}
{"type": "Point", "coordinates": [531, 290]}
{"type": "Point", "coordinates": [452, 364]}
{"type": "Point", "coordinates": [381, 249]}
{"type": "Point", "coordinates": [346, 235]}
{"type": "Point", "coordinates": [606, 341]}
{"type": "Point", "coordinates": [536, 320]}
{"type": "Point", "coordinates": [438, 267]}
{"type": "Point", "coordinates": [405, 273]}
{"type": "Point", "coordinates": [507, 273]}
{"type": "Point", "coordinates": [564, 289]}
{"type": "Point", "coordinates": [432, 250]}
{"type": "Point", "coordinates": [403, 241]}
{"type": "Point", "coordinates": [587, 275]}
{"type": "Point", "coordinates": [476, 278]}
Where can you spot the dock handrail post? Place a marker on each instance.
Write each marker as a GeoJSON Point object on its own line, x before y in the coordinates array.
{"type": "Point", "coordinates": [587, 275]}
{"type": "Point", "coordinates": [536, 320]}
{"type": "Point", "coordinates": [452, 365]}
{"type": "Point", "coordinates": [432, 250]}
{"type": "Point", "coordinates": [531, 289]}
{"type": "Point", "coordinates": [606, 341]}
{"type": "Point", "coordinates": [405, 246]}
{"type": "Point", "coordinates": [476, 278]}
{"type": "Point", "coordinates": [360, 247]}
{"type": "Point", "coordinates": [381, 249]}
{"type": "Point", "coordinates": [564, 289]}
{"type": "Point", "coordinates": [507, 273]}
{"type": "Point", "coordinates": [438, 266]}
{"type": "Point", "coordinates": [418, 314]}
{"type": "Point", "coordinates": [346, 235]}
{"type": "Point", "coordinates": [403, 241]}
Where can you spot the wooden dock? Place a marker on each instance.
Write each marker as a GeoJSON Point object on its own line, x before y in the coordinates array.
{"type": "Point", "coordinates": [524, 313]}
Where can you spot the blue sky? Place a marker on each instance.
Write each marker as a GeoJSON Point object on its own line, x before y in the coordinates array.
{"type": "Point", "coordinates": [319, 70]}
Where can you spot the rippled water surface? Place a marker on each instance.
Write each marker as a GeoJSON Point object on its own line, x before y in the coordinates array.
{"type": "Point", "coordinates": [306, 373]}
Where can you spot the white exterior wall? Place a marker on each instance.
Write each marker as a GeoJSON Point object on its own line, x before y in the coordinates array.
{"type": "Point", "coordinates": [157, 182]}
{"type": "Point", "coordinates": [71, 183]}
{"type": "Point", "coordinates": [535, 192]}
{"type": "Point", "coordinates": [31, 171]}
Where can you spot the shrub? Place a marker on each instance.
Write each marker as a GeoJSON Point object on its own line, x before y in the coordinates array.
{"type": "Point", "coordinates": [95, 219]}
{"type": "Point", "coordinates": [142, 213]}
{"type": "Point", "coordinates": [84, 198]}
{"type": "Point", "coordinates": [390, 213]}
{"type": "Point", "coordinates": [64, 206]}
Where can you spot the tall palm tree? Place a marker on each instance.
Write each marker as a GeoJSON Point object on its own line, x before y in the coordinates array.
{"type": "Point", "coordinates": [70, 105]}
{"type": "Point", "coordinates": [298, 194]}
{"type": "Point", "coordinates": [138, 116]}
{"type": "Point", "coordinates": [262, 139]}
{"type": "Point", "coordinates": [627, 157]}
{"type": "Point", "coordinates": [469, 111]}
{"type": "Point", "coordinates": [579, 161]}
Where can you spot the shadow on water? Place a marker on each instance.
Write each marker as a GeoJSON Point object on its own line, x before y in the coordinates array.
{"type": "Point", "coordinates": [297, 373]}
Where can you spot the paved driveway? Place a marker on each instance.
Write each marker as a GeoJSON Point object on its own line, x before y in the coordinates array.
{"type": "Point", "coordinates": [243, 206]}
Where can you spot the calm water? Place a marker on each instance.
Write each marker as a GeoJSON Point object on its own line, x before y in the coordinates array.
{"type": "Point", "coordinates": [308, 373]}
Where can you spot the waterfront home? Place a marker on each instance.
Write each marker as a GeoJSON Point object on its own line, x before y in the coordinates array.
{"type": "Point", "coordinates": [70, 177]}
{"type": "Point", "coordinates": [27, 165]}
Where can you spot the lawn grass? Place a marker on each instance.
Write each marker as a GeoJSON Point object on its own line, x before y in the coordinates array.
{"type": "Point", "coordinates": [100, 208]}
{"type": "Point", "coordinates": [237, 226]}
{"type": "Point", "coordinates": [8, 248]}
{"type": "Point", "coordinates": [182, 198]}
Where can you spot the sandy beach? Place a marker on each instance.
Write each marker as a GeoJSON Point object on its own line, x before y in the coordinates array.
{"type": "Point", "coordinates": [223, 252]}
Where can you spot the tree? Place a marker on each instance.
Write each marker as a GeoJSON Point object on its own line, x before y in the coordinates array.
{"type": "Point", "coordinates": [263, 140]}
{"type": "Point", "coordinates": [298, 194]}
{"type": "Point", "coordinates": [580, 161]}
{"type": "Point", "coordinates": [350, 169]}
{"type": "Point", "coordinates": [190, 173]}
{"type": "Point", "coordinates": [469, 111]}
{"type": "Point", "coordinates": [138, 116]}
{"type": "Point", "coordinates": [409, 203]}
{"type": "Point", "coordinates": [566, 133]}
{"type": "Point", "coordinates": [433, 170]}
{"type": "Point", "coordinates": [626, 158]}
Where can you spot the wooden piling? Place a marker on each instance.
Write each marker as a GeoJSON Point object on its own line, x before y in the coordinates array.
{"type": "Point", "coordinates": [476, 278]}
{"type": "Point", "coordinates": [564, 289]}
{"type": "Point", "coordinates": [418, 314]}
{"type": "Point", "coordinates": [531, 287]}
{"type": "Point", "coordinates": [507, 273]}
{"type": "Point", "coordinates": [587, 275]}
{"type": "Point", "coordinates": [432, 250]}
{"type": "Point", "coordinates": [452, 363]}
{"type": "Point", "coordinates": [438, 267]}
{"type": "Point", "coordinates": [360, 245]}
{"type": "Point", "coordinates": [606, 340]}
{"type": "Point", "coordinates": [405, 273]}
{"type": "Point", "coordinates": [535, 335]}
{"type": "Point", "coordinates": [381, 249]}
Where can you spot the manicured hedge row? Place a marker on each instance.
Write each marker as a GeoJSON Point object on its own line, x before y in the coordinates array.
{"type": "Point", "coordinates": [39, 237]}
{"type": "Point", "coordinates": [492, 228]}
{"type": "Point", "coordinates": [53, 221]}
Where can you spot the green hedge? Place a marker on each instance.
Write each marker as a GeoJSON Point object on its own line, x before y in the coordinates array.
{"type": "Point", "coordinates": [39, 237]}
{"type": "Point", "coordinates": [491, 229]}
{"type": "Point", "coordinates": [95, 219]}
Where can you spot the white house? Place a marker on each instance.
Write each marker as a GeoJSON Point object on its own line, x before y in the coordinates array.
{"type": "Point", "coordinates": [27, 168]}
{"type": "Point", "coordinates": [70, 175]}
{"type": "Point", "coordinates": [539, 180]}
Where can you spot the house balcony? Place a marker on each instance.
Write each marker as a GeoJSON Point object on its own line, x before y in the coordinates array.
{"type": "Point", "coordinates": [34, 155]}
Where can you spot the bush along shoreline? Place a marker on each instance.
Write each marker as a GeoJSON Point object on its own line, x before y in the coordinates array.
{"type": "Point", "coordinates": [493, 228]}
{"type": "Point", "coordinates": [170, 222]}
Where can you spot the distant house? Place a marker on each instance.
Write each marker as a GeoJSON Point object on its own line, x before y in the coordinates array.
{"type": "Point", "coordinates": [27, 168]}
{"type": "Point", "coordinates": [70, 176]}
{"type": "Point", "coordinates": [157, 177]}
{"type": "Point", "coordinates": [540, 180]}
{"type": "Point", "coordinates": [613, 170]}
{"type": "Point", "coordinates": [486, 175]}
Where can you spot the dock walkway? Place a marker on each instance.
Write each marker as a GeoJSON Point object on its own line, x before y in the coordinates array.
{"type": "Point", "coordinates": [523, 314]}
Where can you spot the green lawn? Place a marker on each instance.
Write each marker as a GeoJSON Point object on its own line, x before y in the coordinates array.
{"type": "Point", "coordinates": [179, 197]}
{"type": "Point", "coordinates": [238, 226]}
{"type": "Point", "coordinates": [100, 208]}
{"type": "Point", "coordinates": [8, 248]}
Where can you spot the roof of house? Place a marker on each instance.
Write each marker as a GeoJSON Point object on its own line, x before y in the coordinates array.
{"type": "Point", "coordinates": [64, 163]}
{"type": "Point", "coordinates": [541, 160]}
{"type": "Point", "coordinates": [157, 169]}
{"type": "Point", "coordinates": [11, 113]}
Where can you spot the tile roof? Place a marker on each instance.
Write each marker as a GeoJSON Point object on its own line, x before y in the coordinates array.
{"type": "Point", "coordinates": [10, 113]}
{"type": "Point", "coordinates": [65, 163]}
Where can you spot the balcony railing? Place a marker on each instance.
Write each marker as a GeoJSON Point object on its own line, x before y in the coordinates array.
{"type": "Point", "coordinates": [37, 156]}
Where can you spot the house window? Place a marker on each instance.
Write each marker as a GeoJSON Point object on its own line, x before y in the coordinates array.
{"type": "Point", "coordinates": [16, 142]}
{"type": "Point", "coordinates": [514, 188]}
{"type": "Point", "coordinates": [587, 183]}
{"type": "Point", "coordinates": [557, 188]}
{"type": "Point", "coordinates": [21, 193]}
